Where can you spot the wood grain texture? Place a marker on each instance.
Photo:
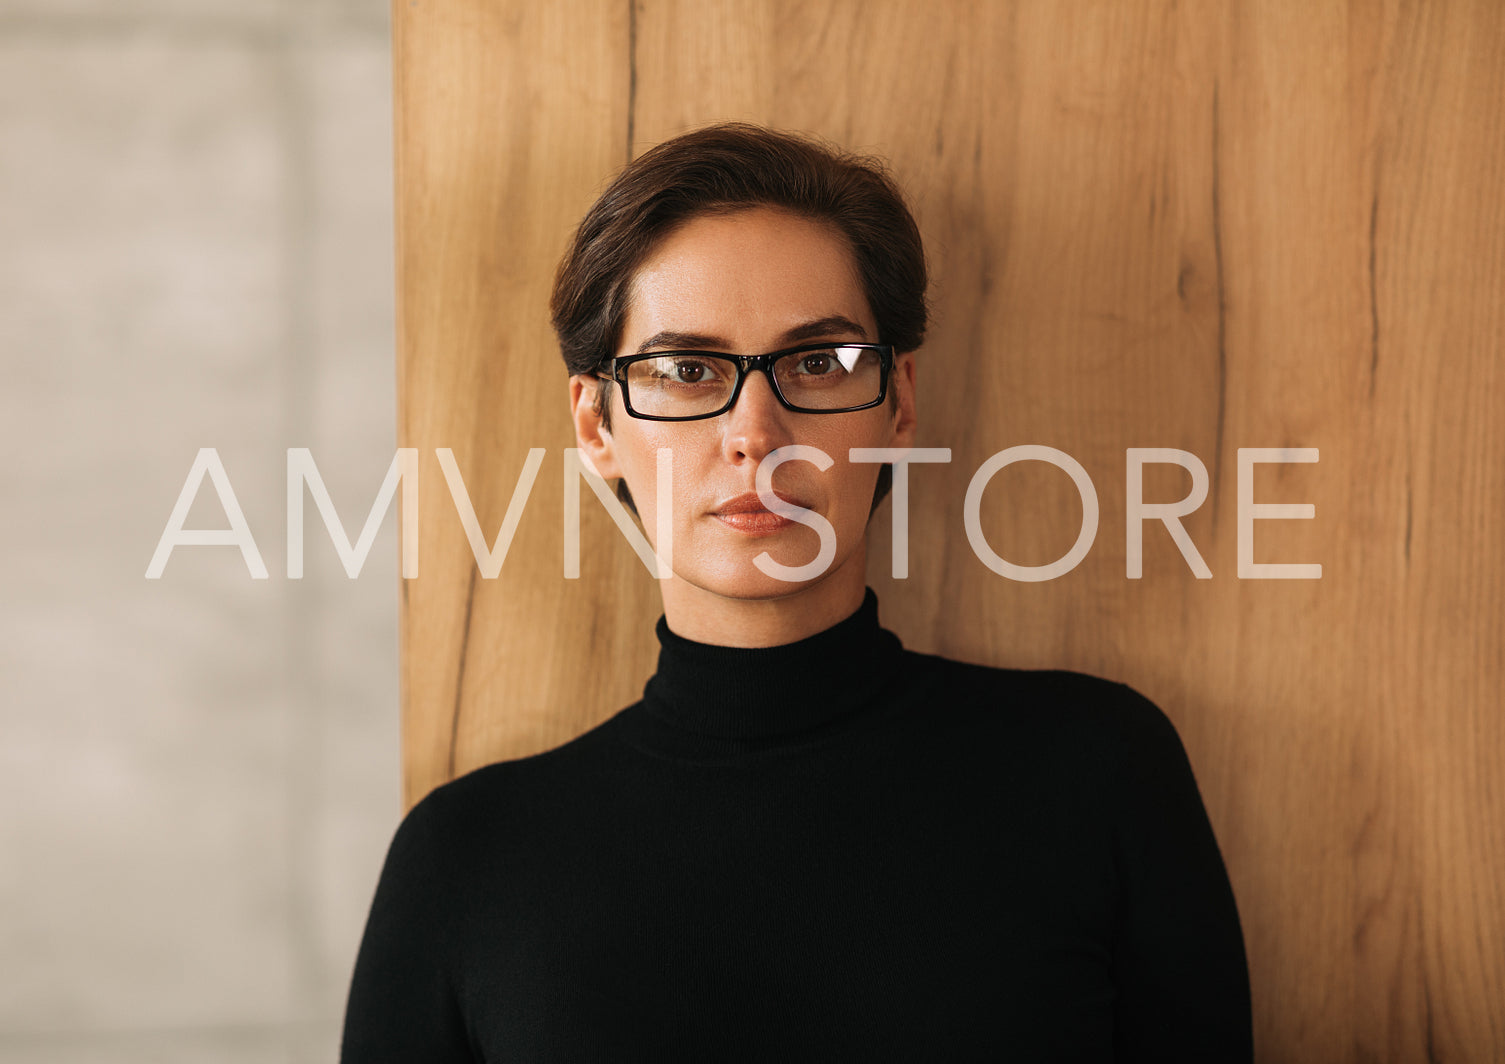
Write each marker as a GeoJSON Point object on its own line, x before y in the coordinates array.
{"type": "Point", "coordinates": [1198, 226]}
{"type": "Point", "coordinates": [510, 116]}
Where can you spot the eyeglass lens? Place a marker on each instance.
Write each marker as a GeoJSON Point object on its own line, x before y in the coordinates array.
{"type": "Point", "coordinates": [683, 384]}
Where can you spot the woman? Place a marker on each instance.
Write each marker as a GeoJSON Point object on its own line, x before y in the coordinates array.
{"type": "Point", "coordinates": [804, 842]}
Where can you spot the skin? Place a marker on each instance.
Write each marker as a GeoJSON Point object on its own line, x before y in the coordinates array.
{"type": "Point", "coordinates": [749, 283]}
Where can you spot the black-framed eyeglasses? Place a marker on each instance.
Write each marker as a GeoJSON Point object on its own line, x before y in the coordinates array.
{"type": "Point", "coordinates": [811, 379]}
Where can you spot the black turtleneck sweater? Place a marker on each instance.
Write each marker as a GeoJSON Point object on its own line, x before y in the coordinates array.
{"type": "Point", "coordinates": [831, 850]}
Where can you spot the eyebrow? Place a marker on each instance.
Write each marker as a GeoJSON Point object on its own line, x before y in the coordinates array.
{"type": "Point", "coordinates": [832, 325]}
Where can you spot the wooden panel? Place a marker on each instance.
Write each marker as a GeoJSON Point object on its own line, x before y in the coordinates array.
{"type": "Point", "coordinates": [510, 116]}
{"type": "Point", "coordinates": [1206, 227]}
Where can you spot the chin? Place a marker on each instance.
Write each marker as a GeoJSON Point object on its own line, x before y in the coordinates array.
{"type": "Point", "coordinates": [752, 585]}
{"type": "Point", "coordinates": [739, 578]}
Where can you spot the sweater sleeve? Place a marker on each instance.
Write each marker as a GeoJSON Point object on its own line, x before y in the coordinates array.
{"type": "Point", "coordinates": [403, 1006]}
{"type": "Point", "coordinates": [1179, 965]}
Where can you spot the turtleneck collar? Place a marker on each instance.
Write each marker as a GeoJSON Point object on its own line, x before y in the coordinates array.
{"type": "Point", "coordinates": [765, 692]}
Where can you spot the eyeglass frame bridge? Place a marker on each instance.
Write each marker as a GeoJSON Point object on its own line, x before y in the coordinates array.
{"type": "Point", "coordinates": [748, 364]}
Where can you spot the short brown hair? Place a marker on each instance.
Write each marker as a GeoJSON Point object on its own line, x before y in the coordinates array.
{"type": "Point", "coordinates": [725, 168]}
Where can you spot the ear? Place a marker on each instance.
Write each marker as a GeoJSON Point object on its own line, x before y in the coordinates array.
{"type": "Point", "coordinates": [902, 381]}
{"type": "Point", "coordinates": [594, 441]}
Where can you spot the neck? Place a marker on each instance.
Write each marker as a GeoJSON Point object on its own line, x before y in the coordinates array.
{"type": "Point", "coordinates": [705, 616]}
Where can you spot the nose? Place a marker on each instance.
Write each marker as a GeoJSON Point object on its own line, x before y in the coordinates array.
{"type": "Point", "coordinates": [757, 423]}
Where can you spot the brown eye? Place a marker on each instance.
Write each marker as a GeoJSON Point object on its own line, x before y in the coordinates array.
{"type": "Point", "coordinates": [816, 364]}
{"type": "Point", "coordinates": [689, 372]}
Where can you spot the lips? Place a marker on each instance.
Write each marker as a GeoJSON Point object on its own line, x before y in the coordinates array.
{"type": "Point", "coordinates": [746, 513]}
{"type": "Point", "coordinates": [750, 503]}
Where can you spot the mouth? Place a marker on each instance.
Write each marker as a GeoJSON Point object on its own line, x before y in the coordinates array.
{"type": "Point", "coordinates": [747, 514]}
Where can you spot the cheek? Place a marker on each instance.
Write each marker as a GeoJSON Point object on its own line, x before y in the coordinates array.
{"type": "Point", "coordinates": [857, 493]}
{"type": "Point", "coordinates": [640, 465]}
{"type": "Point", "coordinates": [859, 477]}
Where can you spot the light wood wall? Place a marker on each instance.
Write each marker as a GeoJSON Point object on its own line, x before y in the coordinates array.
{"type": "Point", "coordinates": [1205, 226]}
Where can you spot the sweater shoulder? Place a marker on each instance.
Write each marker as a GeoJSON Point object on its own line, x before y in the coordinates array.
{"type": "Point", "coordinates": [1088, 711]}
{"type": "Point", "coordinates": [473, 807]}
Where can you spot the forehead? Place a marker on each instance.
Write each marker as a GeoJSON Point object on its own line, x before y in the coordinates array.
{"type": "Point", "coordinates": [746, 278]}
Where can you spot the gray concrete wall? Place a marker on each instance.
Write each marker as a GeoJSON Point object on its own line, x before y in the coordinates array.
{"type": "Point", "coordinates": [198, 774]}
